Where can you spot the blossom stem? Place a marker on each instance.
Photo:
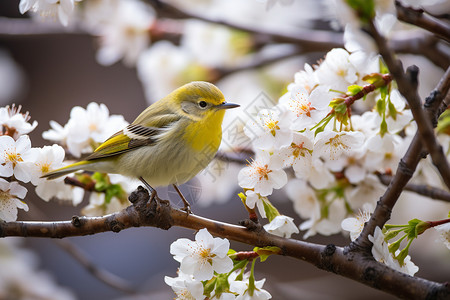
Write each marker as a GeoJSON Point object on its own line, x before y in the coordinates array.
{"type": "Point", "coordinates": [437, 223]}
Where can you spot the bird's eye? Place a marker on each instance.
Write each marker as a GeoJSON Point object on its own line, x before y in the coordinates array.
{"type": "Point", "coordinates": [202, 104]}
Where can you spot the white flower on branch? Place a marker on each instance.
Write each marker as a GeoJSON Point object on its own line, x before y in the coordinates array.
{"type": "Point", "coordinates": [126, 33]}
{"type": "Point", "coordinates": [298, 154]}
{"type": "Point", "coordinates": [40, 161]}
{"type": "Point", "coordinates": [241, 288]}
{"type": "Point", "coordinates": [270, 130]}
{"type": "Point", "coordinates": [63, 9]}
{"type": "Point", "coordinates": [331, 145]}
{"type": "Point", "coordinates": [336, 71]}
{"type": "Point", "coordinates": [185, 286]}
{"type": "Point", "coordinates": [282, 226]}
{"type": "Point", "coordinates": [202, 257]}
{"type": "Point", "coordinates": [380, 252]}
{"type": "Point", "coordinates": [10, 195]}
{"type": "Point", "coordinates": [263, 174]}
{"type": "Point", "coordinates": [11, 157]}
{"type": "Point", "coordinates": [308, 107]}
{"type": "Point", "coordinates": [444, 234]}
{"type": "Point", "coordinates": [86, 128]}
{"type": "Point", "coordinates": [15, 123]}
{"type": "Point", "coordinates": [355, 225]}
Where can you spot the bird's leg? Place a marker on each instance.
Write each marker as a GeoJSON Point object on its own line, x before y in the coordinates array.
{"type": "Point", "coordinates": [153, 194]}
{"type": "Point", "coordinates": [187, 206]}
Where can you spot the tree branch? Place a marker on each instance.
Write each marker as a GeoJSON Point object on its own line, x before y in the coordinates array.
{"type": "Point", "coordinates": [419, 18]}
{"type": "Point", "coordinates": [435, 104]}
{"type": "Point", "coordinates": [359, 266]}
{"type": "Point", "coordinates": [104, 276]}
{"type": "Point", "coordinates": [407, 85]}
{"type": "Point", "coordinates": [421, 189]}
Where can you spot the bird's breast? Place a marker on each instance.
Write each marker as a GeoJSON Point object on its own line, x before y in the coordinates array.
{"type": "Point", "coordinates": [204, 136]}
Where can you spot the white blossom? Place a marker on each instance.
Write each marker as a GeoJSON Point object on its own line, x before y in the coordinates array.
{"type": "Point", "coordinates": [253, 199]}
{"type": "Point", "coordinates": [308, 108]}
{"type": "Point", "coordinates": [327, 224]}
{"type": "Point", "coordinates": [64, 9]}
{"type": "Point", "coordinates": [444, 233]}
{"type": "Point", "coordinates": [380, 252]}
{"type": "Point", "coordinates": [127, 34]}
{"type": "Point", "coordinates": [185, 287]}
{"type": "Point", "coordinates": [10, 195]}
{"type": "Point", "coordinates": [331, 144]}
{"type": "Point", "coordinates": [14, 122]}
{"type": "Point", "coordinates": [263, 175]}
{"type": "Point", "coordinates": [20, 277]}
{"type": "Point", "coordinates": [241, 288]}
{"type": "Point", "coordinates": [336, 71]}
{"type": "Point", "coordinates": [282, 226]}
{"type": "Point", "coordinates": [57, 189]}
{"type": "Point", "coordinates": [86, 128]}
{"type": "Point", "coordinates": [11, 157]}
{"type": "Point", "coordinates": [304, 199]}
{"type": "Point", "coordinates": [203, 256]}
{"type": "Point", "coordinates": [298, 154]}
{"type": "Point", "coordinates": [40, 161]}
{"type": "Point", "coordinates": [355, 225]}
{"type": "Point", "coordinates": [270, 129]}
{"type": "Point", "coordinates": [160, 69]}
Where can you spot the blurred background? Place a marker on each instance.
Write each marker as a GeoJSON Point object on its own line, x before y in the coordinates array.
{"type": "Point", "coordinates": [48, 68]}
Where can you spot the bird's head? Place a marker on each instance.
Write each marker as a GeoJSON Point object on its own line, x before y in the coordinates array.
{"type": "Point", "coordinates": [199, 100]}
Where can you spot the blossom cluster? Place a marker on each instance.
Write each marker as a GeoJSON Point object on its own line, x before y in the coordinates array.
{"type": "Point", "coordinates": [18, 264]}
{"type": "Point", "coordinates": [207, 272]}
{"type": "Point", "coordinates": [334, 155]}
{"type": "Point", "coordinates": [20, 163]}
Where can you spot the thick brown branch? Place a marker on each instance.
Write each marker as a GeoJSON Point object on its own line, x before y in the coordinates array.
{"type": "Point", "coordinates": [407, 85]}
{"type": "Point", "coordinates": [421, 189]}
{"type": "Point", "coordinates": [358, 266]}
{"type": "Point", "coordinates": [434, 104]}
{"type": "Point", "coordinates": [419, 18]}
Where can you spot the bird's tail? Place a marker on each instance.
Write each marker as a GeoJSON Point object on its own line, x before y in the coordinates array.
{"type": "Point", "coordinates": [66, 170]}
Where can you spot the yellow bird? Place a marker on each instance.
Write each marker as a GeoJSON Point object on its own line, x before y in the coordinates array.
{"type": "Point", "coordinates": [168, 143]}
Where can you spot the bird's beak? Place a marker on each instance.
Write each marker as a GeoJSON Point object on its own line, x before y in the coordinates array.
{"type": "Point", "coordinates": [227, 105]}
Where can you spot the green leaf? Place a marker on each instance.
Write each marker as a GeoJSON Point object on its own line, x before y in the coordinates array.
{"type": "Point", "coordinates": [380, 107]}
{"type": "Point", "coordinates": [265, 252]}
{"type": "Point", "coordinates": [383, 127]}
{"type": "Point", "coordinates": [353, 90]}
{"type": "Point", "coordinates": [222, 284]}
{"type": "Point", "coordinates": [392, 112]}
{"type": "Point", "coordinates": [365, 9]}
{"type": "Point", "coordinates": [383, 68]}
{"type": "Point", "coordinates": [383, 92]}
{"type": "Point", "coordinates": [208, 286]}
{"type": "Point", "coordinates": [373, 78]}
{"type": "Point", "coordinates": [271, 211]}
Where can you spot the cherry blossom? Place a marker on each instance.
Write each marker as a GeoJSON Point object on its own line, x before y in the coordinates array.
{"type": "Point", "coordinates": [282, 226]}
{"type": "Point", "coordinates": [270, 130]}
{"type": "Point", "coordinates": [11, 157]}
{"type": "Point", "coordinates": [263, 174]}
{"type": "Point", "coordinates": [203, 256]}
{"type": "Point", "coordinates": [10, 195]}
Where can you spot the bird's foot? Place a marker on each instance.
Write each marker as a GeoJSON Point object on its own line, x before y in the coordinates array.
{"type": "Point", "coordinates": [187, 206]}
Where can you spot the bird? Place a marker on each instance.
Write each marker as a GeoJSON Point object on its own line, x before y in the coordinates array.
{"type": "Point", "coordinates": [170, 142]}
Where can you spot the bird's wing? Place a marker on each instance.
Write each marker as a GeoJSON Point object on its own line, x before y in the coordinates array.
{"type": "Point", "coordinates": [134, 136]}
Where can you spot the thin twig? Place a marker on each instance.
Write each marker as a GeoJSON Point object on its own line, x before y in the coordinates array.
{"type": "Point", "coordinates": [100, 274]}
{"type": "Point", "coordinates": [421, 189]}
{"type": "Point", "coordinates": [419, 18]}
{"type": "Point", "coordinates": [356, 265]}
{"type": "Point", "coordinates": [104, 276]}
